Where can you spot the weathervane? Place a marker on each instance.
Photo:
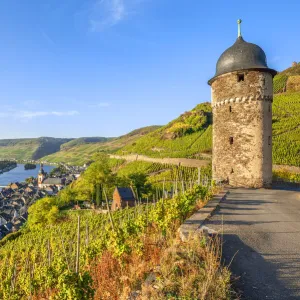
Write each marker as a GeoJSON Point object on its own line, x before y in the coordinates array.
{"type": "Point", "coordinates": [239, 21]}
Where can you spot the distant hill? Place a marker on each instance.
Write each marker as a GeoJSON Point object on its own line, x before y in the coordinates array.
{"type": "Point", "coordinates": [29, 148]}
{"type": "Point", "coordinates": [80, 151]}
{"type": "Point", "coordinates": [189, 135]}
{"type": "Point", "coordinates": [84, 140]}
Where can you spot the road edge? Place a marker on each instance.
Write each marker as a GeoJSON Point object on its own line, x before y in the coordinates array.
{"type": "Point", "coordinates": [193, 223]}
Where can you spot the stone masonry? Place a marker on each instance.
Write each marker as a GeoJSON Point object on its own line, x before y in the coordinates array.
{"type": "Point", "coordinates": [242, 128]}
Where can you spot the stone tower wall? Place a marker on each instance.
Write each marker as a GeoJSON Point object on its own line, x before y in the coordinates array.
{"type": "Point", "coordinates": [242, 128]}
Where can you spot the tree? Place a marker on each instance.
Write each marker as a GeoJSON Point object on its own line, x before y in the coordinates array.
{"type": "Point", "coordinates": [66, 196]}
{"type": "Point", "coordinates": [98, 175]}
{"type": "Point", "coordinates": [30, 180]}
{"type": "Point", "coordinates": [138, 181]}
{"type": "Point", "coordinates": [43, 211]}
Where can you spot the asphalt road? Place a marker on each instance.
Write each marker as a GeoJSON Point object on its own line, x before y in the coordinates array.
{"type": "Point", "coordinates": [261, 241]}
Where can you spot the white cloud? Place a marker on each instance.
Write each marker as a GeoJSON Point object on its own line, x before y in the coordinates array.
{"type": "Point", "coordinates": [107, 13]}
{"type": "Point", "coordinates": [33, 114]}
{"type": "Point", "coordinates": [99, 105]}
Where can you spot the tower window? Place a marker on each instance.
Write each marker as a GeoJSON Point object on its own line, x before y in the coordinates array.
{"type": "Point", "coordinates": [240, 77]}
{"type": "Point", "coordinates": [230, 109]}
{"type": "Point", "coordinates": [269, 140]}
{"type": "Point", "coordinates": [231, 140]}
{"type": "Point", "coordinates": [232, 171]}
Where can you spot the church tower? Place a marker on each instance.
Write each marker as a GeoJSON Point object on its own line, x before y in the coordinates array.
{"type": "Point", "coordinates": [41, 176]}
{"type": "Point", "coordinates": [242, 96]}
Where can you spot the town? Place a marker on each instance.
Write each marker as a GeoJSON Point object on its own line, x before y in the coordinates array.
{"type": "Point", "coordinates": [16, 197]}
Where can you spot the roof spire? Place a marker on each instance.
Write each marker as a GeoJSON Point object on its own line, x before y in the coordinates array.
{"type": "Point", "coordinates": [239, 21]}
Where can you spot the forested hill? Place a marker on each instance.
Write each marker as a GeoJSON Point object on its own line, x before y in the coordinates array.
{"type": "Point", "coordinates": [80, 151]}
{"type": "Point", "coordinates": [29, 148]}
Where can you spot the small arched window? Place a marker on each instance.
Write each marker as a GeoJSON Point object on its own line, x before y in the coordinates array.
{"type": "Point", "coordinates": [231, 140]}
{"type": "Point", "coordinates": [240, 77]}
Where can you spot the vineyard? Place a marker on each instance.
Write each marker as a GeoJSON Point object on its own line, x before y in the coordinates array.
{"type": "Point", "coordinates": [286, 129]}
{"type": "Point", "coordinates": [186, 136]}
{"type": "Point", "coordinates": [167, 175]}
{"type": "Point", "coordinates": [57, 260]}
{"type": "Point", "coordinates": [280, 83]}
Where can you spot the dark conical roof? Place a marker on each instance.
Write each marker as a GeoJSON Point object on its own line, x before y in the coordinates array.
{"type": "Point", "coordinates": [242, 56]}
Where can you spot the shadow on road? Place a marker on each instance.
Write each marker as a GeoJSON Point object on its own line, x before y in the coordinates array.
{"type": "Point", "coordinates": [254, 277]}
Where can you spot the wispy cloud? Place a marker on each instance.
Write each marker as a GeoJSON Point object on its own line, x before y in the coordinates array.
{"type": "Point", "coordinates": [47, 38]}
{"type": "Point", "coordinates": [108, 13]}
{"type": "Point", "coordinates": [25, 115]}
{"type": "Point", "coordinates": [99, 105]}
{"type": "Point", "coordinates": [30, 103]}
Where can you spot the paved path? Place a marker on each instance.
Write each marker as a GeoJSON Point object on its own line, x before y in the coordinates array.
{"type": "Point", "coordinates": [261, 234]}
{"type": "Point", "coordinates": [186, 162]}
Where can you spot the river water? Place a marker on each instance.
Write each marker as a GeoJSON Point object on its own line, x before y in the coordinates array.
{"type": "Point", "coordinates": [19, 174]}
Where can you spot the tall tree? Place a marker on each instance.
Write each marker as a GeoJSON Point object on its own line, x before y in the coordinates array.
{"type": "Point", "coordinates": [98, 175]}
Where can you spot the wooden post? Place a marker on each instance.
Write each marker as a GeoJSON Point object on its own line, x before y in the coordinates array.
{"type": "Point", "coordinates": [64, 248]}
{"type": "Point", "coordinates": [78, 246]}
{"type": "Point", "coordinates": [108, 209]}
{"type": "Point", "coordinates": [49, 253]}
{"type": "Point", "coordinates": [87, 234]}
{"type": "Point", "coordinates": [147, 211]}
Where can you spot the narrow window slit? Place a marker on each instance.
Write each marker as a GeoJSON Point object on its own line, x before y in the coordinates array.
{"type": "Point", "coordinates": [231, 140]}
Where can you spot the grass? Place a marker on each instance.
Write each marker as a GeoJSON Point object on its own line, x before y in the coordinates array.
{"type": "Point", "coordinates": [168, 269]}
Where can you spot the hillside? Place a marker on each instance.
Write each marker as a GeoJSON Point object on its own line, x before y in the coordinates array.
{"type": "Point", "coordinates": [190, 134]}
{"type": "Point", "coordinates": [29, 148]}
{"type": "Point", "coordinates": [80, 151]}
{"type": "Point", "coordinates": [186, 136]}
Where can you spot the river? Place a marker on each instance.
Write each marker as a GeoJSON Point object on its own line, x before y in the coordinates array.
{"type": "Point", "coordinates": [19, 174]}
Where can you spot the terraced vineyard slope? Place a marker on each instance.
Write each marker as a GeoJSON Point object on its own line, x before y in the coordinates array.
{"type": "Point", "coordinates": [187, 136]}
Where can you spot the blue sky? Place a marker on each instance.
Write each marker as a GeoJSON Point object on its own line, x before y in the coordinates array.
{"type": "Point", "coordinates": [105, 67]}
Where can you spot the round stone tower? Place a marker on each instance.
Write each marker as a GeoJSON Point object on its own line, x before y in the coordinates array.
{"type": "Point", "coordinates": [242, 96]}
